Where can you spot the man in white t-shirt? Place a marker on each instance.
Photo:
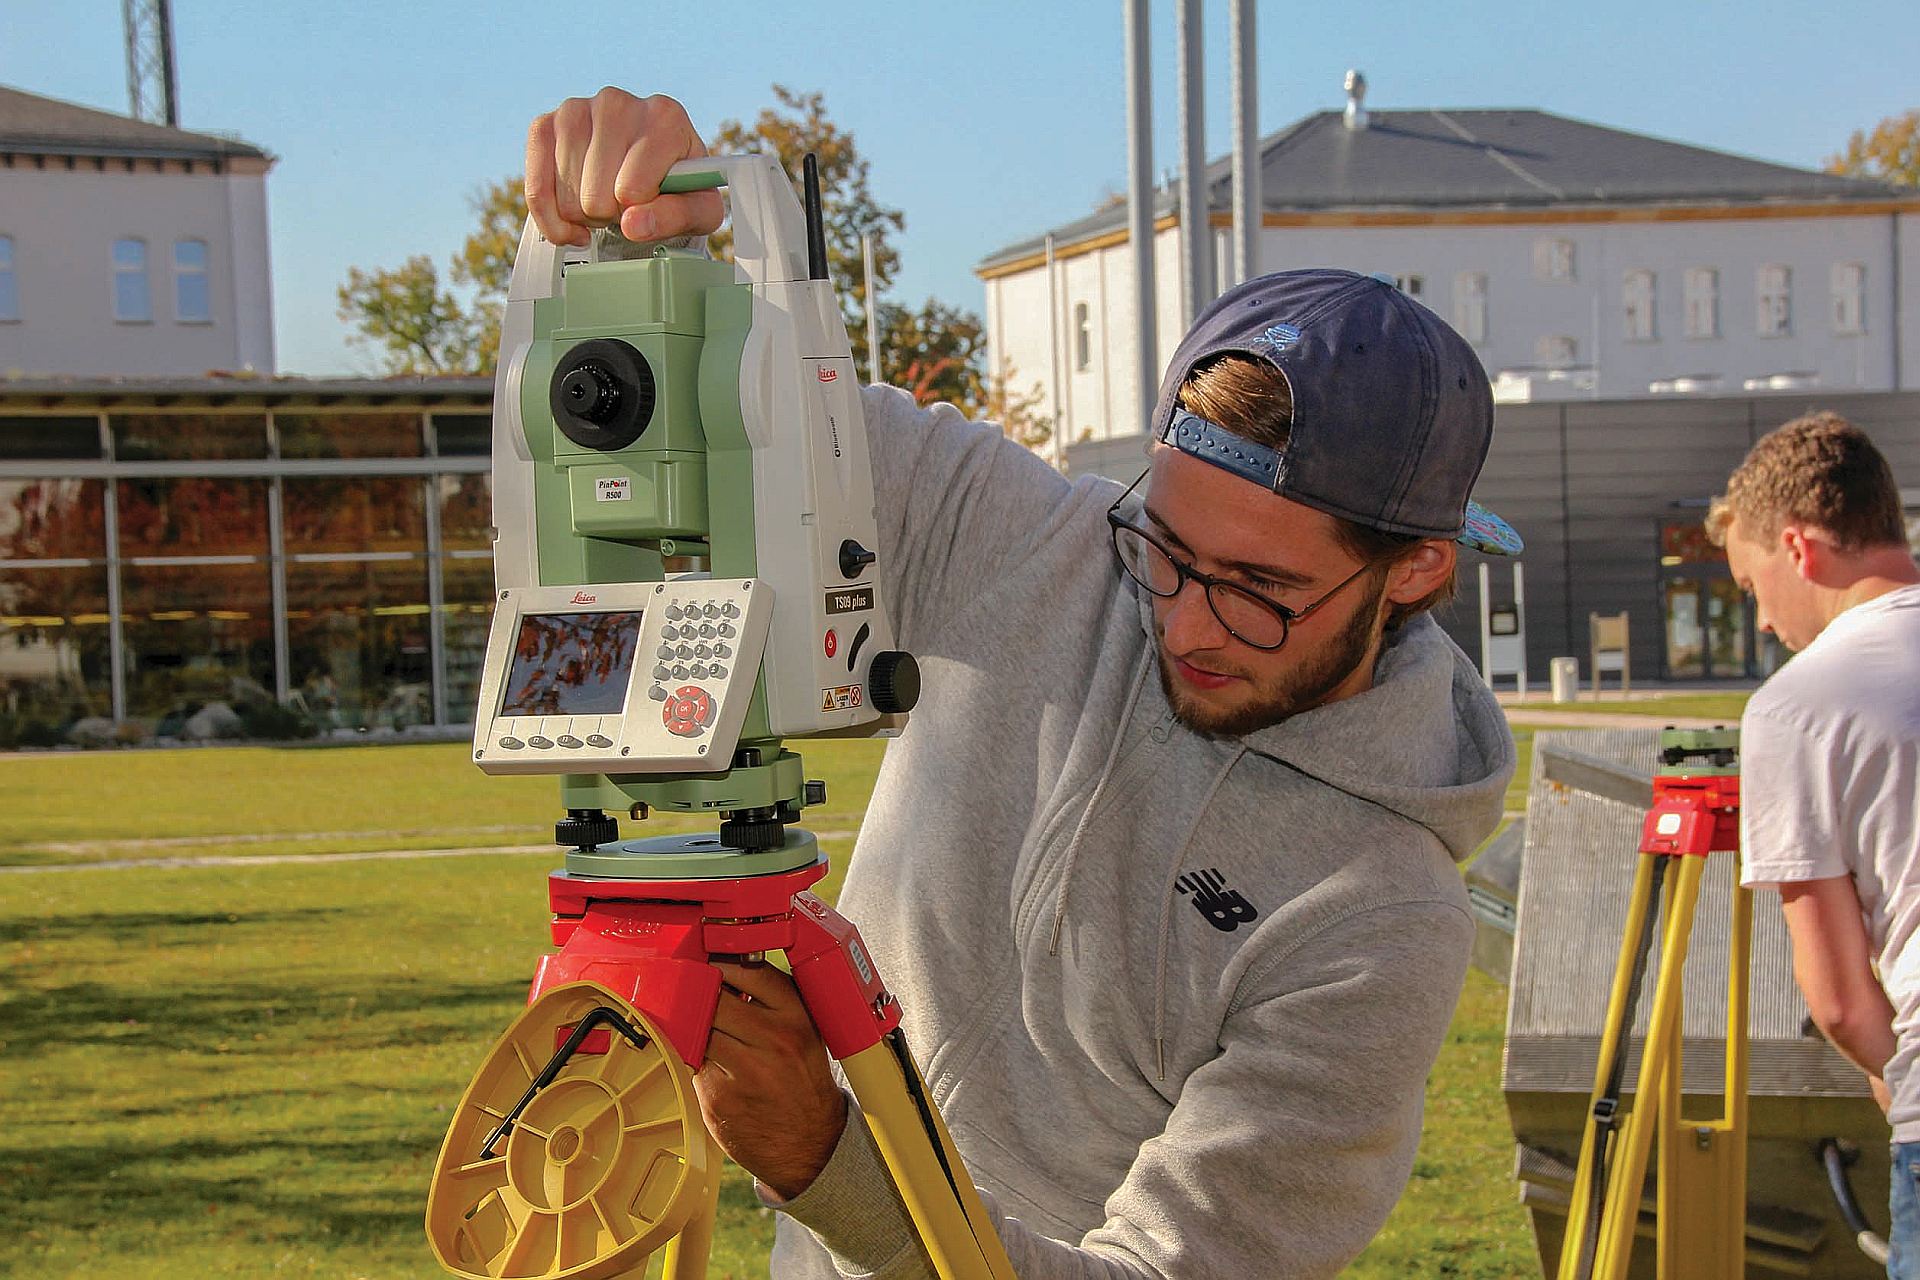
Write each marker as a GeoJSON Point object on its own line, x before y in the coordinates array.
{"type": "Point", "coordinates": [1830, 754]}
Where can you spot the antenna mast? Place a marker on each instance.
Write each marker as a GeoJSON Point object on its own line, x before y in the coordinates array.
{"type": "Point", "coordinates": [153, 90]}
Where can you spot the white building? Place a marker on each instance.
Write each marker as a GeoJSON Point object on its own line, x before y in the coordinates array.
{"type": "Point", "coordinates": [127, 247]}
{"type": "Point", "coordinates": [1580, 261]}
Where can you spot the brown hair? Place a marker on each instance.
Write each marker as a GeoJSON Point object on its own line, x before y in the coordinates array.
{"type": "Point", "coordinates": [1252, 399]}
{"type": "Point", "coordinates": [1818, 470]}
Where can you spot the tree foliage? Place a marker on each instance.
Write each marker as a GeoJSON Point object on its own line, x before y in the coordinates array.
{"type": "Point", "coordinates": [793, 129]}
{"type": "Point", "coordinates": [1889, 152]}
{"type": "Point", "coordinates": [420, 321]}
{"type": "Point", "coordinates": [418, 325]}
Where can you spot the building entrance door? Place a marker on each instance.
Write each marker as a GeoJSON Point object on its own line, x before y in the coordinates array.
{"type": "Point", "coordinates": [1709, 627]}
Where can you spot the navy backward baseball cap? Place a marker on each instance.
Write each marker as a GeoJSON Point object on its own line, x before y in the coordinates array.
{"type": "Point", "coordinates": [1392, 411]}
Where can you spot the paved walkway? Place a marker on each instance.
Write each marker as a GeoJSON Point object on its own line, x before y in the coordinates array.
{"type": "Point", "coordinates": [1571, 718]}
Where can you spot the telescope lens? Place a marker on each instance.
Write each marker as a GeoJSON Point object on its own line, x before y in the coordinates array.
{"type": "Point", "coordinates": [602, 394]}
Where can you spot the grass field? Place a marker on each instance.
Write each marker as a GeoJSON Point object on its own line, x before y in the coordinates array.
{"type": "Point", "coordinates": [245, 1070]}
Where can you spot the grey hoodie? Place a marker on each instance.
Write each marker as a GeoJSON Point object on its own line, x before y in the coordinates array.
{"type": "Point", "coordinates": [1176, 996]}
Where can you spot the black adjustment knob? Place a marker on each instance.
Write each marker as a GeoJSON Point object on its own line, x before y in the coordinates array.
{"type": "Point", "coordinates": [602, 394]}
{"type": "Point", "coordinates": [816, 791]}
{"type": "Point", "coordinates": [894, 681]}
{"type": "Point", "coordinates": [854, 558]}
{"type": "Point", "coordinates": [586, 829]}
{"type": "Point", "coordinates": [750, 834]}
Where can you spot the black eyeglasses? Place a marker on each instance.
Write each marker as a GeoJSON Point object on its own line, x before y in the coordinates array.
{"type": "Point", "coordinates": [1248, 616]}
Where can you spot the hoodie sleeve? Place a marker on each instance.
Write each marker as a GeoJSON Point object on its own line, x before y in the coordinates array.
{"type": "Point", "coordinates": [1282, 1156]}
{"type": "Point", "coordinates": [957, 502]}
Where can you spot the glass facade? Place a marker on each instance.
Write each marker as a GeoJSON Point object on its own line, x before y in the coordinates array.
{"type": "Point", "coordinates": [156, 560]}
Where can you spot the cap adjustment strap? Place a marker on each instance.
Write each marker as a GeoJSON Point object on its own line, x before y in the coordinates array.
{"type": "Point", "coordinates": [1210, 442]}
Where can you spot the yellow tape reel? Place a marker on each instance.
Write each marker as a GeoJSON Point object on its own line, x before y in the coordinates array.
{"type": "Point", "coordinates": [605, 1165]}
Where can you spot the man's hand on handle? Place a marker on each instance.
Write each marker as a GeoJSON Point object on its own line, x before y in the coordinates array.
{"type": "Point", "coordinates": [598, 162]}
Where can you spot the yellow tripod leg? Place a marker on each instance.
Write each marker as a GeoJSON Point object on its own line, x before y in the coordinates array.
{"type": "Point", "coordinates": [685, 1257]}
{"type": "Point", "coordinates": [1612, 1042]}
{"type": "Point", "coordinates": [950, 1217]}
{"type": "Point", "coordinates": [1703, 1162]}
{"type": "Point", "coordinates": [1621, 1213]}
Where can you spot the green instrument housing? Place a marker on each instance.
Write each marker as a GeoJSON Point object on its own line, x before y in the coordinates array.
{"type": "Point", "coordinates": [688, 478]}
{"type": "Point", "coordinates": [1700, 753]}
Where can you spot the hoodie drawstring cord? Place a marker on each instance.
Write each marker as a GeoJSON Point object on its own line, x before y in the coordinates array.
{"type": "Point", "coordinates": [1166, 914]}
{"type": "Point", "coordinates": [1093, 801]}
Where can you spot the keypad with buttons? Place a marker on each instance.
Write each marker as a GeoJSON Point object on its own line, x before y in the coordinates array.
{"type": "Point", "coordinates": [697, 638]}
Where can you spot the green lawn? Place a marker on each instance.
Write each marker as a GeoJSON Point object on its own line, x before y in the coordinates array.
{"type": "Point", "coordinates": [73, 807]}
{"type": "Point", "coordinates": [246, 1070]}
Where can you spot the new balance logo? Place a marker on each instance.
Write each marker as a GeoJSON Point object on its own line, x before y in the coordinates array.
{"type": "Point", "coordinates": [1223, 908]}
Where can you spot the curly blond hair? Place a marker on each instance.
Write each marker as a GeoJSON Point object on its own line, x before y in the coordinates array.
{"type": "Point", "coordinates": [1818, 470]}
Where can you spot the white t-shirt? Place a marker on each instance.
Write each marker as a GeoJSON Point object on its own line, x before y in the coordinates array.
{"type": "Point", "coordinates": [1830, 786]}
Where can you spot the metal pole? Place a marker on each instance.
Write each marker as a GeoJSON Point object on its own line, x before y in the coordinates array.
{"type": "Point", "coordinates": [116, 624]}
{"type": "Point", "coordinates": [1140, 212]}
{"type": "Point", "coordinates": [1196, 234]}
{"type": "Point", "coordinates": [873, 313]}
{"type": "Point", "coordinates": [169, 78]}
{"type": "Point", "coordinates": [1486, 624]}
{"type": "Point", "coordinates": [1520, 608]}
{"type": "Point", "coordinates": [1247, 198]}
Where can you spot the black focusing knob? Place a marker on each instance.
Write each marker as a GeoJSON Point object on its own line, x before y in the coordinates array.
{"type": "Point", "coordinates": [894, 681]}
{"type": "Point", "coordinates": [602, 394]}
{"type": "Point", "coordinates": [854, 558]}
{"type": "Point", "coordinates": [591, 393]}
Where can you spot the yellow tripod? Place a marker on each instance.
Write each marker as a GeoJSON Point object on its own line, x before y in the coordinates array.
{"type": "Point", "coordinates": [1700, 1206]}
{"type": "Point", "coordinates": [578, 1151]}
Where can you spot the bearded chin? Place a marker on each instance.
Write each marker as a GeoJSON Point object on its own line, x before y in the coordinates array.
{"type": "Point", "coordinates": [1281, 696]}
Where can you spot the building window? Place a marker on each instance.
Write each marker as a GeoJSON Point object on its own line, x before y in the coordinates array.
{"type": "Point", "coordinates": [191, 301]}
{"type": "Point", "coordinates": [1082, 337]}
{"type": "Point", "coordinates": [1774, 291]}
{"type": "Point", "coordinates": [132, 300]}
{"type": "Point", "coordinates": [1849, 298]}
{"type": "Point", "coordinates": [1553, 260]}
{"type": "Point", "coordinates": [9, 291]}
{"type": "Point", "coordinates": [1414, 286]}
{"type": "Point", "coordinates": [1637, 301]}
{"type": "Point", "coordinates": [1470, 305]}
{"type": "Point", "coordinates": [1556, 351]}
{"type": "Point", "coordinates": [1703, 302]}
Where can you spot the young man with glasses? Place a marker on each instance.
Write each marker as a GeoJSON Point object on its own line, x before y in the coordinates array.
{"type": "Point", "coordinates": [1164, 872]}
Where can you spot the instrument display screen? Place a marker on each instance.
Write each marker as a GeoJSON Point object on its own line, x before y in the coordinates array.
{"type": "Point", "coordinates": [571, 664]}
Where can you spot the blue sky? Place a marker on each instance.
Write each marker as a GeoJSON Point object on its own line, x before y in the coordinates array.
{"type": "Point", "coordinates": [986, 122]}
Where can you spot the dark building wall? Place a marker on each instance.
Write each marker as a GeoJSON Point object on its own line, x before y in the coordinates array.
{"type": "Point", "coordinates": [1588, 484]}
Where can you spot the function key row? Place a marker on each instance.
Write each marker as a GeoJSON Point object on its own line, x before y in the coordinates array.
{"type": "Point", "coordinates": [567, 740]}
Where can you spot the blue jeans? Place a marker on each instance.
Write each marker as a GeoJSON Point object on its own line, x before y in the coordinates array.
{"type": "Point", "coordinates": [1903, 1238]}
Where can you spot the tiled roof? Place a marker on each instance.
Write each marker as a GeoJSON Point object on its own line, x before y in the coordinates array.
{"type": "Point", "coordinates": [1508, 159]}
{"type": "Point", "coordinates": [33, 125]}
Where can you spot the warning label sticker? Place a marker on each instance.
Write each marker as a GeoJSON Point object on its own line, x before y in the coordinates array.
{"type": "Point", "coordinates": [843, 698]}
{"type": "Point", "coordinates": [613, 489]}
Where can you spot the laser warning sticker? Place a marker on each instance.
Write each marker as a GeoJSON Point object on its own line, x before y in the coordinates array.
{"type": "Point", "coordinates": [845, 697]}
{"type": "Point", "coordinates": [613, 489]}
